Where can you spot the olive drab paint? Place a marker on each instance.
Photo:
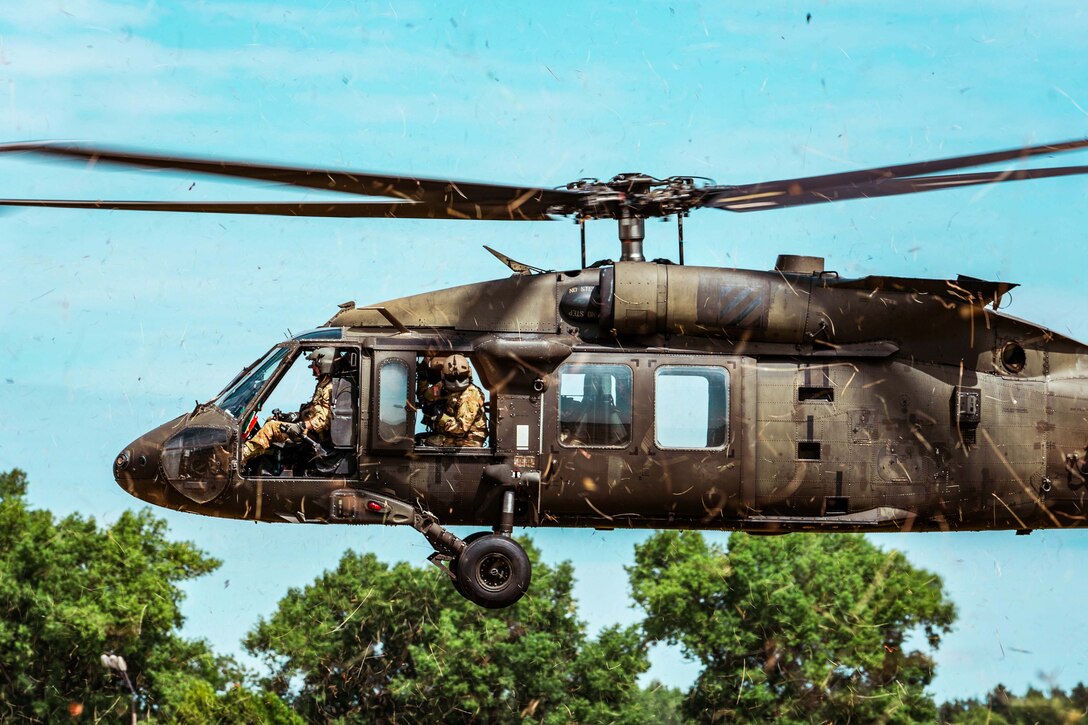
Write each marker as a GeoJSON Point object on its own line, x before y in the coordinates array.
{"type": "Point", "coordinates": [852, 405]}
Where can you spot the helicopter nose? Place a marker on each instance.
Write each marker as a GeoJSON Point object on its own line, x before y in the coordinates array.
{"type": "Point", "coordinates": [138, 460]}
{"type": "Point", "coordinates": [137, 468]}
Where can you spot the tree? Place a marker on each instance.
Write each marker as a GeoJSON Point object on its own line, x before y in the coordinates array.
{"type": "Point", "coordinates": [797, 628]}
{"type": "Point", "coordinates": [1002, 707]}
{"type": "Point", "coordinates": [199, 702]}
{"type": "Point", "coordinates": [660, 704]}
{"type": "Point", "coordinates": [370, 642]}
{"type": "Point", "coordinates": [70, 591]}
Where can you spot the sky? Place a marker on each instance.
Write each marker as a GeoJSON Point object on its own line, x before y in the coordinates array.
{"type": "Point", "coordinates": [113, 322]}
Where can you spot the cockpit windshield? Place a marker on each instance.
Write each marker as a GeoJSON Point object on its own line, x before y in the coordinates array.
{"type": "Point", "coordinates": [237, 396]}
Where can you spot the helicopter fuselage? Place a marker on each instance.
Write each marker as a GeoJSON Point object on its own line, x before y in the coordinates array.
{"type": "Point", "coordinates": [650, 395]}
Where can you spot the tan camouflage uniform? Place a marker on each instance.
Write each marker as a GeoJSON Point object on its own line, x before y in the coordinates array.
{"type": "Point", "coordinates": [430, 398]}
{"type": "Point", "coordinates": [318, 414]}
{"type": "Point", "coordinates": [464, 421]}
{"type": "Point", "coordinates": [430, 395]}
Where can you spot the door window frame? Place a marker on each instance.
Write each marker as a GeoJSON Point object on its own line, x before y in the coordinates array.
{"type": "Point", "coordinates": [726, 414]}
{"type": "Point", "coordinates": [580, 367]}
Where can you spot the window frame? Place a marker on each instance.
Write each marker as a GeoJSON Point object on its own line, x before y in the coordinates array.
{"type": "Point", "coordinates": [286, 356]}
{"type": "Point", "coordinates": [421, 447]}
{"type": "Point", "coordinates": [580, 368]}
{"type": "Point", "coordinates": [409, 400]}
{"type": "Point", "coordinates": [726, 414]}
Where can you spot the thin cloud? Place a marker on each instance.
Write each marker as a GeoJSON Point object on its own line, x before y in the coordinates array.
{"type": "Point", "coordinates": [58, 14]}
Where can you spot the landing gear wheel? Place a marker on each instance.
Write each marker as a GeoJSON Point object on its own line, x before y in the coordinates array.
{"type": "Point", "coordinates": [453, 562]}
{"type": "Point", "coordinates": [493, 571]}
{"type": "Point", "coordinates": [476, 535]}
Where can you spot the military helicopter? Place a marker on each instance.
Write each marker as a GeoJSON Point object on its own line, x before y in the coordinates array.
{"type": "Point", "coordinates": [641, 393]}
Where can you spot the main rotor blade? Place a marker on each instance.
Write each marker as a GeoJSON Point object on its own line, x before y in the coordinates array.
{"type": "Point", "coordinates": [350, 210]}
{"type": "Point", "coordinates": [816, 184]}
{"type": "Point", "coordinates": [531, 201]}
{"type": "Point", "coordinates": [730, 201]}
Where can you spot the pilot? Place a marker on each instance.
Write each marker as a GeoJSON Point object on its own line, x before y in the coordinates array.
{"type": "Point", "coordinates": [463, 421]}
{"type": "Point", "coordinates": [430, 393]}
{"type": "Point", "coordinates": [315, 416]}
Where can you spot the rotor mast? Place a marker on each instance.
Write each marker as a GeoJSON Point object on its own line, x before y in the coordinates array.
{"type": "Point", "coordinates": [632, 229]}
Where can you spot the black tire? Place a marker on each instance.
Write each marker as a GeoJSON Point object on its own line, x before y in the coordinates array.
{"type": "Point", "coordinates": [454, 562]}
{"type": "Point", "coordinates": [476, 535]}
{"type": "Point", "coordinates": [493, 571]}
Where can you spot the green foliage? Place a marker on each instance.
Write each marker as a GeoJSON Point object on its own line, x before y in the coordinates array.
{"type": "Point", "coordinates": [792, 629]}
{"type": "Point", "coordinates": [798, 628]}
{"type": "Point", "coordinates": [1001, 707]}
{"type": "Point", "coordinates": [659, 704]}
{"type": "Point", "coordinates": [70, 591]}
{"type": "Point", "coordinates": [367, 642]}
{"type": "Point", "coordinates": [199, 703]}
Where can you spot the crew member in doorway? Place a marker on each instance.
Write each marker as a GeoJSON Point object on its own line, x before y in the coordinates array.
{"type": "Point", "coordinates": [463, 421]}
{"type": "Point", "coordinates": [430, 393]}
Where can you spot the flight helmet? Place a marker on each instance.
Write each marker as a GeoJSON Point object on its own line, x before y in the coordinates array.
{"type": "Point", "coordinates": [456, 373]}
{"type": "Point", "coordinates": [323, 357]}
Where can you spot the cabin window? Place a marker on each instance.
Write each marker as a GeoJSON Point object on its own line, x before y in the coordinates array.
{"type": "Point", "coordinates": [691, 406]}
{"type": "Point", "coordinates": [392, 401]}
{"type": "Point", "coordinates": [595, 405]}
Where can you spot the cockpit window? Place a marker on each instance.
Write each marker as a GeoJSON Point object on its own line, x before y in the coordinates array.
{"type": "Point", "coordinates": [238, 396]}
{"type": "Point", "coordinates": [325, 333]}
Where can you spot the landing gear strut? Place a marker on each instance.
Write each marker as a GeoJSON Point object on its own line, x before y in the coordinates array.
{"type": "Point", "coordinates": [489, 569]}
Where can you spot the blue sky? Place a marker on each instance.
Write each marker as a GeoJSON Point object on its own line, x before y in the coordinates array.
{"type": "Point", "coordinates": [113, 322]}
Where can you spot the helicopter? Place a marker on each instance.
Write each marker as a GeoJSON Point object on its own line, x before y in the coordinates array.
{"type": "Point", "coordinates": [638, 393]}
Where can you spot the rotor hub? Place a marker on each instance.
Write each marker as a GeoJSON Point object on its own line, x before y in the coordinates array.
{"type": "Point", "coordinates": [632, 198]}
{"type": "Point", "coordinates": [632, 194]}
